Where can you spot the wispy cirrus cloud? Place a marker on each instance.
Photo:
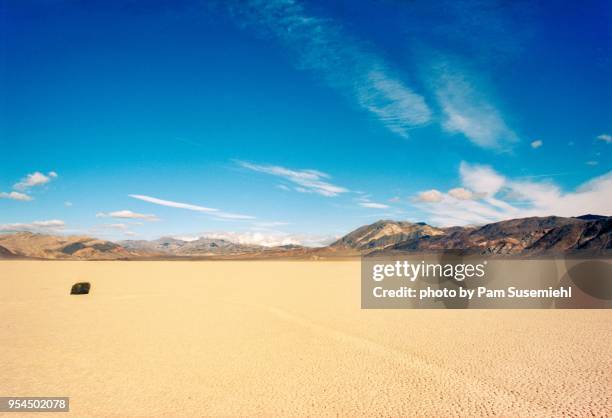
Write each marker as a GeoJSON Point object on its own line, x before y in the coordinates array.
{"type": "Point", "coordinates": [346, 64]}
{"type": "Point", "coordinates": [305, 180]}
{"type": "Point", "coordinates": [196, 208]}
{"type": "Point", "coordinates": [487, 196]}
{"type": "Point", "coordinates": [468, 110]}
{"type": "Point", "coordinates": [127, 214]}
{"type": "Point", "coordinates": [343, 62]}
{"type": "Point", "coordinates": [364, 201]}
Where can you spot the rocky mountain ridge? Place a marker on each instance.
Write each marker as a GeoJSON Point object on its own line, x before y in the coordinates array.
{"type": "Point", "coordinates": [524, 236]}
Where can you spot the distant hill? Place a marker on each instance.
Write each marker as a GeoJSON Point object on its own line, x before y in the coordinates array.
{"type": "Point", "coordinates": [384, 234]}
{"type": "Point", "coordinates": [199, 247]}
{"type": "Point", "coordinates": [27, 244]}
{"type": "Point", "coordinates": [5, 253]}
{"type": "Point", "coordinates": [587, 235]}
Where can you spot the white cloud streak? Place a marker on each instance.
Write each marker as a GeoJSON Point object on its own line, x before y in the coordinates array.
{"type": "Point", "coordinates": [272, 239]}
{"type": "Point", "coordinates": [16, 196]}
{"type": "Point", "coordinates": [34, 179]}
{"type": "Point", "coordinates": [121, 227]}
{"type": "Point", "coordinates": [53, 225]}
{"type": "Point", "coordinates": [373, 205]}
{"type": "Point", "coordinates": [232, 216]}
{"type": "Point", "coordinates": [607, 138]}
{"type": "Point", "coordinates": [127, 214]}
{"type": "Point", "coordinates": [461, 193]}
{"type": "Point", "coordinates": [429, 196]}
{"type": "Point", "coordinates": [188, 206]}
{"type": "Point", "coordinates": [171, 204]}
{"type": "Point", "coordinates": [365, 202]}
{"type": "Point", "coordinates": [504, 198]}
{"type": "Point", "coordinates": [307, 181]}
{"type": "Point", "coordinates": [480, 178]}
{"type": "Point", "coordinates": [536, 144]}
{"type": "Point", "coordinates": [344, 63]}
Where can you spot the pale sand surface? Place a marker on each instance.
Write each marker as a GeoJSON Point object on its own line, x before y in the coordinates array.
{"type": "Point", "coordinates": [283, 338]}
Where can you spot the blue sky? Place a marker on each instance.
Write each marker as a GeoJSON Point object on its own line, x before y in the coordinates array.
{"type": "Point", "coordinates": [286, 121]}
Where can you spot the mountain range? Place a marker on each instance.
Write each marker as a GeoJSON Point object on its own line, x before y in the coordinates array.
{"type": "Point", "coordinates": [199, 247]}
{"type": "Point", "coordinates": [587, 235]}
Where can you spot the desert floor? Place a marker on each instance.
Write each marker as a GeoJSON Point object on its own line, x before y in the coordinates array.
{"type": "Point", "coordinates": [283, 338]}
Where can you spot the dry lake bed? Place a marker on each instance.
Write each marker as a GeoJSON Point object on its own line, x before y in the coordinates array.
{"type": "Point", "coordinates": [254, 338]}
